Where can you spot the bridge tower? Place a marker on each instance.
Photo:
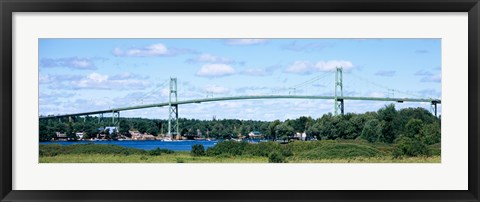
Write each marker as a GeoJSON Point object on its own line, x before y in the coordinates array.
{"type": "Point", "coordinates": [116, 122]}
{"type": "Point", "coordinates": [173, 110]}
{"type": "Point", "coordinates": [338, 103]}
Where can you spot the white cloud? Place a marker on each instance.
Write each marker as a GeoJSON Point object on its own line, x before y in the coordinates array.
{"type": "Point", "coordinates": [71, 62]}
{"type": "Point", "coordinates": [217, 89]}
{"type": "Point", "coordinates": [433, 78]}
{"type": "Point", "coordinates": [301, 67]}
{"type": "Point", "coordinates": [230, 104]}
{"type": "Point", "coordinates": [243, 42]}
{"type": "Point", "coordinates": [148, 51]}
{"type": "Point", "coordinates": [45, 79]}
{"type": "Point", "coordinates": [385, 73]}
{"type": "Point", "coordinates": [256, 72]}
{"type": "Point", "coordinates": [215, 70]}
{"type": "Point", "coordinates": [98, 78]}
{"type": "Point", "coordinates": [423, 73]}
{"type": "Point", "coordinates": [128, 75]}
{"type": "Point", "coordinates": [95, 81]}
{"type": "Point", "coordinates": [213, 59]}
{"type": "Point", "coordinates": [306, 47]}
{"type": "Point", "coordinates": [332, 64]}
{"type": "Point", "coordinates": [306, 67]}
{"type": "Point", "coordinates": [377, 94]}
{"type": "Point", "coordinates": [260, 71]}
{"type": "Point", "coordinates": [209, 58]}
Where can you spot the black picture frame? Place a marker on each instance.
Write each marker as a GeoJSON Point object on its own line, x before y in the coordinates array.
{"type": "Point", "coordinates": [8, 7]}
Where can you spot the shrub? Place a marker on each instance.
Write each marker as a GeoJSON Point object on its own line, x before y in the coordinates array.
{"type": "Point", "coordinates": [52, 150]}
{"type": "Point", "coordinates": [230, 148]}
{"type": "Point", "coordinates": [431, 133]}
{"type": "Point", "coordinates": [372, 130]}
{"type": "Point", "coordinates": [198, 150]}
{"type": "Point", "coordinates": [340, 151]}
{"type": "Point", "coordinates": [158, 152]}
{"type": "Point", "coordinates": [435, 149]}
{"type": "Point", "coordinates": [407, 146]}
{"type": "Point", "coordinates": [263, 149]}
{"type": "Point", "coordinates": [55, 149]}
{"type": "Point", "coordinates": [276, 157]}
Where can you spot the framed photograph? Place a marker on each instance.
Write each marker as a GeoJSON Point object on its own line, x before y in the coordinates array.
{"type": "Point", "coordinates": [239, 101]}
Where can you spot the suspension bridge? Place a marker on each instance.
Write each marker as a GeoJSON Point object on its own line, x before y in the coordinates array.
{"type": "Point", "coordinates": [173, 102]}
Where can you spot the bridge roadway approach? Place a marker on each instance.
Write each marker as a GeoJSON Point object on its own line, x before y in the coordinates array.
{"type": "Point", "coordinates": [163, 104]}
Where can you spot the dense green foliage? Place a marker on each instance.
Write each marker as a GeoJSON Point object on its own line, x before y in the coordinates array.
{"type": "Point", "coordinates": [297, 151]}
{"type": "Point", "coordinates": [276, 157]}
{"type": "Point", "coordinates": [159, 151]}
{"type": "Point", "coordinates": [219, 129]}
{"type": "Point", "coordinates": [340, 151]}
{"type": "Point", "coordinates": [198, 150]}
{"type": "Point", "coordinates": [410, 130]}
{"type": "Point", "coordinates": [263, 149]}
{"type": "Point", "coordinates": [56, 149]}
{"type": "Point", "coordinates": [279, 153]}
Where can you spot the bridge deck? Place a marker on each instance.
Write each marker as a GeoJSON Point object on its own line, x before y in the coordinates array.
{"type": "Point", "coordinates": [163, 104]}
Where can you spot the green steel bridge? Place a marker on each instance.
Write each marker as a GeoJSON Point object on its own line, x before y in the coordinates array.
{"type": "Point", "coordinates": [173, 103]}
{"type": "Point", "coordinates": [250, 97]}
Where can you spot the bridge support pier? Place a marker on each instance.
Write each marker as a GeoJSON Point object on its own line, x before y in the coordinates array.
{"type": "Point", "coordinates": [338, 103]}
{"type": "Point", "coordinates": [434, 107]}
{"type": "Point", "coordinates": [117, 115]}
{"type": "Point", "coordinates": [173, 110]}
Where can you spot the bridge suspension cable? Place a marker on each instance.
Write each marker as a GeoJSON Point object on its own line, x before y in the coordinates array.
{"type": "Point", "coordinates": [303, 84]}
{"type": "Point", "coordinates": [153, 91]}
{"type": "Point", "coordinates": [389, 90]}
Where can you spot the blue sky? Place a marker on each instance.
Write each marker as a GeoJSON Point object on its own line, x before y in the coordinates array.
{"type": "Point", "coordinates": [79, 75]}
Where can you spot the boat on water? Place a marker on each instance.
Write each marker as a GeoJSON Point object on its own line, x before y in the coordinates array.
{"type": "Point", "coordinates": [167, 139]}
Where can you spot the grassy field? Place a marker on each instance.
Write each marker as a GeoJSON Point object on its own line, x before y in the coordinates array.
{"type": "Point", "coordinates": [331, 151]}
{"type": "Point", "coordinates": [178, 157]}
{"type": "Point", "coordinates": [183, 157]}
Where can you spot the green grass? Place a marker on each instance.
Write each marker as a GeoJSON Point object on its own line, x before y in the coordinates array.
{"type": "Point", "coordinates": [325, 151]}
{"type": "Point", "coordinates": [56, 149]}
{"type": "Point", "coordinates": [177, 157]}
{"type": "Point", "coordinates": [383, 159]}
{"type": "Point", "coordinates": [187, 158]}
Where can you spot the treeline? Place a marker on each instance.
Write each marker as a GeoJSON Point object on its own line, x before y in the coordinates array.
{"type": "Point", "coordinates": [386, 125]}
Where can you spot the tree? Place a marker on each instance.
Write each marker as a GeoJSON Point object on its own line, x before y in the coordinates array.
{"type": "Point", "coordinates": [407, 146]}
{"type": "Point", "coordinates": [314, 130]}
{"type": "Point", "coordinates": [272, 127]}
{"type": "Point", "coordinates": [198, 150]}
{"type": "Point", "coordinates": [413, 127]}
{"type": "Point", "coordinates": [327, 128]}
{"type": "Point", "coordinates": [142, 127]}
{"type": "Point", "coordinates": [388, 115]}
{"type": "Point", "coordinates": [91, 131]}
{"type": "Point", "coordinates": [124, 127]}
{"type": "Point", "coordinates": [114, 134]}
{"type": "Point", "coordinates": [70, 132]}
{"type": "Point", "coordinates": [154, 131]}
{"type": "Point", "coordinates": [357, 122]}
{"type": "Point", "coordinates": [431, 133]}
{"type": "Point", "coordinates": [46, 134]}
{"type": "Point", "coordinates": [372, 130]}
{"type": "Point", "coordinates": [299, 125]}
{"type": "Point", "coordinates": [284, 131]}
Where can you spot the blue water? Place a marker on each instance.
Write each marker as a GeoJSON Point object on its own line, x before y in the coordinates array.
{"type": "Point", "coordinates": [183, 145]}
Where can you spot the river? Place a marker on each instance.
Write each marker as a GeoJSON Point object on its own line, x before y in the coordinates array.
{"type": "Point", "coordinates": [182, 145]}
